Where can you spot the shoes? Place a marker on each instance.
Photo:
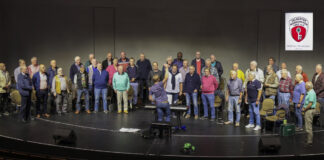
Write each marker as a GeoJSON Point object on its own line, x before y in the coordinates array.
{"type": "Point", "coordinates": [106, 112]}
{"type": "Point", "coordinates": [95, 112]}
{"type": "Point", "coordinates": [249, 126]}
{"type": "Point", "coordinates": [77, 112]}
{"type": "Point", "coordinates": [212, 119]}
{"type": "Point", "coordinates": [126, 112]}
{"type": "Point", "coordinates": [88, 111]}
{"type": "Point", "coordinates": [6, 113]}
{"type": "Point", "coordinates": [46, 115]}
{"type": "Point", "coordinates": [237, 124]}
{"type": "Point", "coordinates": [257, 128]}
{"type": "Point", "coordinates": [204, 118]}
{"type": "Point", "coordinates": [119, 111]}
{"type": "Point", "coordinates": [38, 116]}
{"type": "Point", "coordinates": [228, 122]}
{"type": "Point", "coordinates": [187, 116]}
{"type": "Point", "coordinates": [196, 117]}
{"type": "Point", "coordinates": [298, 129]}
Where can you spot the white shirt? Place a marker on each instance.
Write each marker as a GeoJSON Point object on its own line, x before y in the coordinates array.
{"type": "Point", "coordinates": [178, 80]}
{"type": "Point", "coordinates": [279, 74]}
{"type": "Point", "coordinates": [43, 81]}
{"type": "Point", "coordinates": [258, 76]}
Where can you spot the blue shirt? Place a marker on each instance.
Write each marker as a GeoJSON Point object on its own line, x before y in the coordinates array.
{"type": "Point", "coordinates": [235, 87]}
{"type": "Point", "coordinates": [253, 88]}
{"type": "Point", "coordinates": [159, 93]}
{"type": "Point", "coordinates": [177, 62]}
{"type": "Point", "coordinates": [298, 91]}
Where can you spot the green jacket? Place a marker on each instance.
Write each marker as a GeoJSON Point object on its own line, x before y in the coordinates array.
{"type": "Point", "coordinates": [120, 81]}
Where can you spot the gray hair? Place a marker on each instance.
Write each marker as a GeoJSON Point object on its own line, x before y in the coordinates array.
{"type": "Point", "coordinates": [252, 74]}
{"type": "Point", "coordinates": [299, 76]}
{"type": "Point", "coordinates": [309, 84]}
{"type": "Point", "coordinates": [254, 63]}
{"type": "Point", "coordinates": [77, 57]}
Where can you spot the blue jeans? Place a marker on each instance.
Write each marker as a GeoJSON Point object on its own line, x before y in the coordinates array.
{"type": "Point", "coordinates": [160, 106]}
{"type": "Point", "coordinates": [192, 96]}
{"type": "Point", "coordinates": [233, 102]}
{"type": "Point", "coordinates": [103, 93]}
{"type": "Point", "coordinates": [135, 88]}
{"type": "Point", "coordinates": [283, 98]}
{"type": "Point", "coordinates": [211, 100]}
{"type": "Point", "coordinates": [299, 116]}
{"type": "Point", "coordinates": [173, 98]}
{"type": "Point", "coordinates": [254, 112]}
{"type": "Point", "coordinates": [86, 98]}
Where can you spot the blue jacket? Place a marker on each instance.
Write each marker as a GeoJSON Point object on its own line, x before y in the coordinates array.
{"type": "Point", "coordinates": [36, 81]}
{"type": "Point", "coordinates": [25, 85]}
{"type": "Point", "coordinates": [100, 81]}
{"type": "Point", "coordinates": [219, 67]}
{"type": "Point", "coordinates": [51, 74]}
{"type": "Point", "coordinates": [194, 63]}
{"type": "Point", "coordinates": [191, 83]}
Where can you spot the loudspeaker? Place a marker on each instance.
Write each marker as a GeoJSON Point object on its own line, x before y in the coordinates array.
{"type": "Point", "coordinates": [269, 144]}
{"type": "Point", "coordinates": [65, 138]}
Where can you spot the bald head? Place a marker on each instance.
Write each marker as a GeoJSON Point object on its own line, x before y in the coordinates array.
{"type": "Point", "coordinates": [318, 68]}
{"type": "Point", "coordinates": [120, 69]}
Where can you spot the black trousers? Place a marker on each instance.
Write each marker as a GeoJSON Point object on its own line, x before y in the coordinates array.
{"type": "Point", "coordinates": [143, 90]}
{"type": "Point", "coordinates": [4, 97]}
{"type": "Point", "coordinates": [42, 96]}
{"type": "Point", "coordinates": [25, 107]}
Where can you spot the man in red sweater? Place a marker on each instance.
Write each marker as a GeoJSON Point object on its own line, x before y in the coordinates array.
{"type": "Point", "coordinates": [208, 87]}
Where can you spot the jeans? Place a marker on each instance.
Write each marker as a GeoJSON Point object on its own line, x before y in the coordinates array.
{"type": "Point", "coordinates": [86, 98]}
{"type": "Point", "coordinates": [42, 96]}
{"type": "Point", "coordinates": [254, 112]}
{"type": "Point", "coordinates": [135, 88]}
{"type": "Point", "coordinates": [103, 93]}
{"type": "Point", "coordinates": [233, 102]}
{"type": "Point", "coordinates": [61, 101]}
{"type": "Point", "coordinates": [25, 107]}
{"type": "Point", "coordinates": [211, 100]}
{"type": "Point", "coordinates": [299, 116]}
{"type": "Point", "coordinates": [122, 96]}
{"type": "Point", "coordinates": [283, 98]}
{"type": "Point", "coordinates": [192, 96]}
{"type": "Point", "coordinates": [160, 106]}
{"type": "Point", "coordinates": [173, 98]}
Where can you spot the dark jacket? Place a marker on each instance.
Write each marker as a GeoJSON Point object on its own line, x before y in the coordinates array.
{"type": "Point", "coordinates": [219, 68]}
{"type": "Point", "coordinates": [79, 81]}
{"type": "Point", "coordinates": [36, 81]}
{"type": "Point", "coordinates": [25, 85]}
{"type": "Point", "coordinates": [106, 63]}
{"type": "Point", "coordinates": [132, 73]}
{"type": "Point", "coordinates": [51, 74]}
{"type": "Point", "coordinates": [144, 68]}
{"type": "Point", "coordinates": [150, 77]}
{"type": "Point", "coordinates": [319, 85]}
{"type": "Point", "coordinates": [100, 81]}
{"type": "Point", "coordinates": [191, 83]}
{"type": "Point", "coordinates": [194, 63]}
{"type": "Point", "coordinates": [74, 70]}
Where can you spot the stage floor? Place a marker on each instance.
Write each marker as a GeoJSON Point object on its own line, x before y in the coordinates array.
{"type": "Point", "coordinates": [99, 133]}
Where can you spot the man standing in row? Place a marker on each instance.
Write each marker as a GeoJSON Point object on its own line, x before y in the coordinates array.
{"type": "Point", "coordinates": [144, 68]}
{"type": "Point", "coordinates": [198, 63]}
{"type": "Point", "coordinates": [121, 86]}
{"type": "Point", "coordinates": [4, 89]}
{"type": "Point", "coordinates": [25, 87]}
{"type": "Point", "coordinates": [100, 82]}
{"type": "Point", "coordinates": [41, 84]}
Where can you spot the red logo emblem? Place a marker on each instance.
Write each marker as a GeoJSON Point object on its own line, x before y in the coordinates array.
{"type": "Point", "coordinates": [298, 28]}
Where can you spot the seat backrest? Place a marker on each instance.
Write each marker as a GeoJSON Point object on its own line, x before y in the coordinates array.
{"type": "Point", "coordinates": [217, 101]}
{"type": "Point", "coordinates": [222, 82]}
{"type": "Point", "coordinates": [267, 105]}
{"type": "Point", "coordinates": [15, 97]}
{"type": "Point", "coordinates": [281, 114]}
